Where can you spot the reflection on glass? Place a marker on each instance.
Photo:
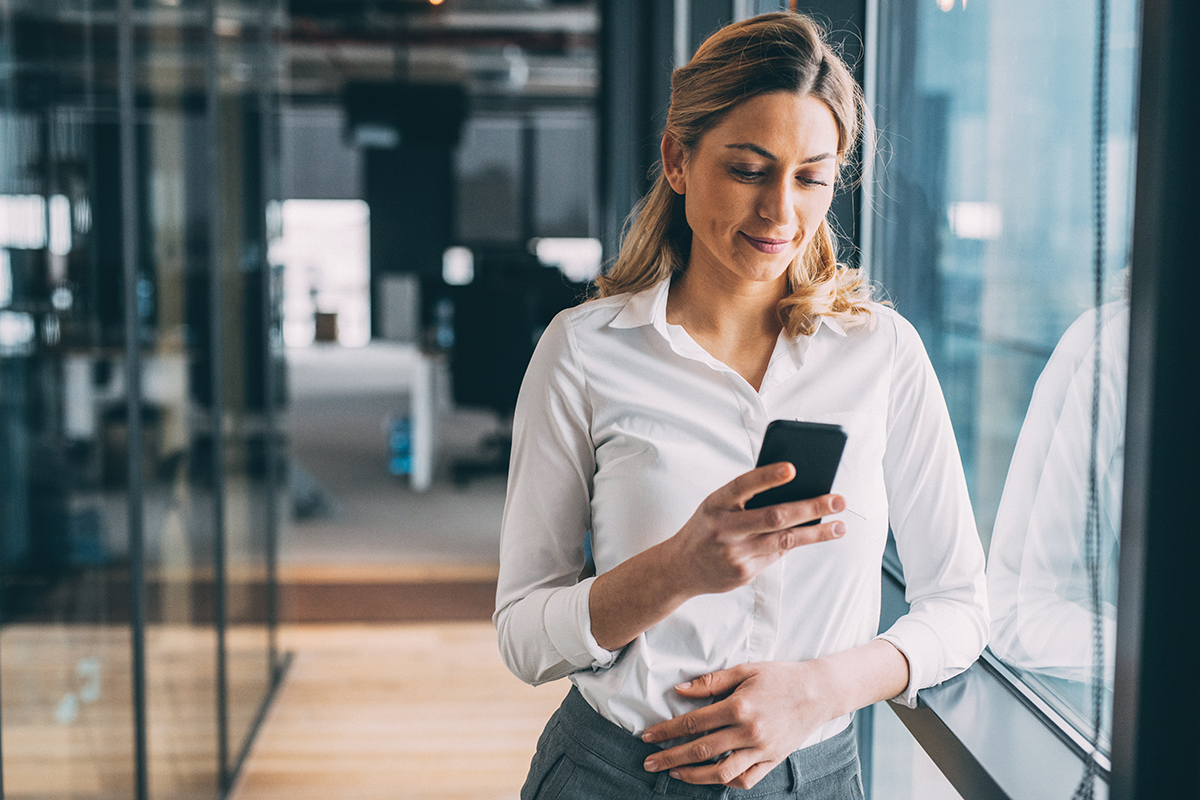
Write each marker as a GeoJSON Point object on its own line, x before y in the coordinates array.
{"type": "Point", "coordinates": [1038, 581]}
{"type": "Point", "coordinates": [983, 238]}
{"type": "Point", "coordinates": [70, 733]}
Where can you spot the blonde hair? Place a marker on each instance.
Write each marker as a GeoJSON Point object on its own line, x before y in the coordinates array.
{"type": "Point", "coordinates": [779, 52]}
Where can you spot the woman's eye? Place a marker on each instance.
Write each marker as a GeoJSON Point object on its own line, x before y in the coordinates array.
{"type": "Point", "coordinates": [813, 181]}
{"type": "Point", "coordinates": [747, 174]}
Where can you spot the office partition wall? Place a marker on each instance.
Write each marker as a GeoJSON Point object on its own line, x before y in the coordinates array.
{"type": "Point", "coordinates": [140, 358]}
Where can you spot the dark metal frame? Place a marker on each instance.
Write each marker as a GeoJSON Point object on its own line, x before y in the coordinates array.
{"type": "Point", "coordinates": [133, 388]}
{"type": "Point", "coordinates": [216, 343]}
{"type": "Point", "coordinates": [1155, 707]}
{"type": "Point", "coordinates": [268, 108]}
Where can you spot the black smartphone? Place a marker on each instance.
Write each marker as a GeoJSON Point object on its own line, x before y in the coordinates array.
{"type": "Point", "coordinates": [814, 448]}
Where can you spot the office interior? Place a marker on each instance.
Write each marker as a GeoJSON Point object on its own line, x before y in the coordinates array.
{"type": "Point", "coordinates": [270, 273]}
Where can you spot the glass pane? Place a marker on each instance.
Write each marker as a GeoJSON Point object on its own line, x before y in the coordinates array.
{"type": "Point", "coordinates": [984, 240]}
{"type": "Point", "coordinates": [900, 768]}
{"type": "Point", "coordinates": [65, 570]}
{"type": "Point", "coordinates": [181, 639]}
{"type": "Point", "coordinates": [245, 364]}
{"type": "Point", "coordinates": [65, 657]}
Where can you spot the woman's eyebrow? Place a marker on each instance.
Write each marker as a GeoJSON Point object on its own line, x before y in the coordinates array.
{"type": "Point", "coordinates": [752, 148]}
{"type": "Point", "coordinates": [768, 154]}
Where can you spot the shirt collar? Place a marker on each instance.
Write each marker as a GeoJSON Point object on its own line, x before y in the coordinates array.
{"type": "Point", "coordinates": [649, 307]}
{"type": "Point", "coordinates": [833, 325]}
{"type": "Point", "coordinates": [646, 307]}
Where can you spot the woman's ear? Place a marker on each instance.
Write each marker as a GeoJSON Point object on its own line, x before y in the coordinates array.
{"type": "Point", "coordinates": [673, 158]}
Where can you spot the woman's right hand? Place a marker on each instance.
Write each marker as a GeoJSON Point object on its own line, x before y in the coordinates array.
{"type": "Point", "coordinates": [724, 545]}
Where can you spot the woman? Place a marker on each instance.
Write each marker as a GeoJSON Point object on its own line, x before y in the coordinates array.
{"type": "Point", "coordinates": [716, 645]}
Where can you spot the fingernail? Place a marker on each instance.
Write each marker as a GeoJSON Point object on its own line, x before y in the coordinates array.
{"type": "Point", "coordinates": [651, 765]}
{"type": "Point", "coordinates": [837, 503]}
{"type": "Point", "coordinates": [684, 685]}
{"type": "Point", "coordinates": [648, 737]}
{"type": "Point", "coordinates": [674, 774]}
{"type": "Point", "coordinates": [838, 528]}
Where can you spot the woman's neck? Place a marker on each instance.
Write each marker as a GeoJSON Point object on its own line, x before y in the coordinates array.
{"type": "Point", "coordinates": [724, 308]}
{"type": "Point", "coordinates": [737, 322]}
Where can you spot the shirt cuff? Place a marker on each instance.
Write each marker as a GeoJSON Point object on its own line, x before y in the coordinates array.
{"type": "Point", "coordinates": [568, 621]}
{"type": "Point", "coordinates": [916, 642]}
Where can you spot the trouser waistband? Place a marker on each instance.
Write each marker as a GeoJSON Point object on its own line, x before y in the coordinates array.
{"type": "Point", "coordinates": [627, 753]}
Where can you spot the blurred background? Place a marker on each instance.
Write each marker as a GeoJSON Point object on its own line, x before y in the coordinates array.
{"type": "Point", "coordinates": [270, 274]}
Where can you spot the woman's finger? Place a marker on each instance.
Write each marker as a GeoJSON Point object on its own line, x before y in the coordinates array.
{"type": "Point", "coordinates": [711, 684]}
{"type": "Point", "coordinates": [782, 516]}
{"type": "Point", "coordinates": [740, 769]}
{"type": "Point", "coordinates": [734, 494]}
{"type": "Point", "coordinates": [702, 720]}
{"type": "Point", "coordinates": [792, 538]}
{"type": "Point", "coordinates": [696, 752]}
{"type": "Point", "coordinates": [752, 776]}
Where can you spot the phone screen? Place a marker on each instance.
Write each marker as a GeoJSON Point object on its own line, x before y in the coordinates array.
{"type": "Point", "coordinates": [814, 448]}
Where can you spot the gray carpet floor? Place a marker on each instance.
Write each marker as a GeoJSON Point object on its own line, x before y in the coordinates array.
{"type": "Point", "coordinates": [354, 511]}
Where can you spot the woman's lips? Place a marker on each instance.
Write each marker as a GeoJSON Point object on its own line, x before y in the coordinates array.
{"type": "Point", "coordinates": [770, 246]}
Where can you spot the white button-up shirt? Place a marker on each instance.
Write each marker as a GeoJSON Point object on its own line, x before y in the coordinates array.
{"type": "Point", "coordinates": [625, 424]}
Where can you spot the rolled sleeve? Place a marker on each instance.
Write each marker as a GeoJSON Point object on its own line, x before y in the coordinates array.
{"type": "Point", "coordinates": [924, 648]}
{"type": "Point", "coordinates": [568, 623]}
{"type": "Point", "coordinates": [547, 634]}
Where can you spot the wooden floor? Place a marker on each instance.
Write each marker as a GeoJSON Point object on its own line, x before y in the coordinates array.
{"type": "Point", "coordinates": [418, 711]}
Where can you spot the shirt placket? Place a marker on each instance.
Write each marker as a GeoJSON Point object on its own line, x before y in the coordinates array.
{"type": "Point", "coordinates": [757, 412]}
{"type": "Point", "coordinates": [762, 632]}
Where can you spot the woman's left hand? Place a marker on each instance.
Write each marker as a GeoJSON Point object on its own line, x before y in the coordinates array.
{"type": "Point", "coordinates": [770, 709]}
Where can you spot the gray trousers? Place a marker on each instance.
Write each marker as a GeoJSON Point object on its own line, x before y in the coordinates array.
{"type": "Point", "coordinates": [582, 756]}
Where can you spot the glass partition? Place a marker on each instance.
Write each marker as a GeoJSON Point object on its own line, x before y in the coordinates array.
{"type": "Point", "coordinates": [984, 235]}
{"type": "Point", "coordinates": [65, 638]}
{"type": "Point", "coordinates": [86, 530]}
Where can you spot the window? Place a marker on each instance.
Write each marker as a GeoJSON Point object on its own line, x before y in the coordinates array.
{"type": "Point", "coordinates": [982, 235]}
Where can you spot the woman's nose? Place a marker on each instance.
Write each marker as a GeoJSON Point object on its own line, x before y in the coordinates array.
{"type": "Point", "coordinates": [776, 203]}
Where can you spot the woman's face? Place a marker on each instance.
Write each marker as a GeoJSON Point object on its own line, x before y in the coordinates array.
{"type": "Point", "coordinates": [757, 185]}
